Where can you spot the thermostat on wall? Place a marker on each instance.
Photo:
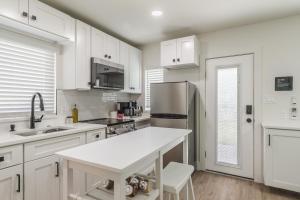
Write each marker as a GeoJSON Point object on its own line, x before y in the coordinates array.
{"type": "Point", "coordinates": [284, 83]}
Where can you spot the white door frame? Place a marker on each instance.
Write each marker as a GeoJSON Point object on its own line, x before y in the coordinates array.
{"type": "Point", "coordinates": [257, 112]}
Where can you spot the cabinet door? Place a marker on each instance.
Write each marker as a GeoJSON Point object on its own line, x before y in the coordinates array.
{"type": "Point", "coordinates": [83, 55]}
{"type": "Point", "coordinates": [168, 53]}
{"type": "Point", "coordinates": [11, 183]}
{"type": "Point", "coordinates": [97, 44]}
{"type": "Point", "coordinates": [185, 50]}
{"type": "Point", "coordinates": [15, 9]}
{"type": "Point", "coordinates": [124, 60]}
{"type": "Point", "coordinates": [135, 64]}
{"type": "Point", "coordinates": [49, 19]}
{"type": "Point", "coordinates": [93, 136]}
{"type": "Point", "coordinates": [281, 163]}
{"type": "Point", "coordinates": [42, 179]}
{"type": "Point", "coordinates": [113, 48]}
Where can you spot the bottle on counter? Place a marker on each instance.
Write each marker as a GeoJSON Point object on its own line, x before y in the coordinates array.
{"type": "Point", "coordinates": [75, 114]}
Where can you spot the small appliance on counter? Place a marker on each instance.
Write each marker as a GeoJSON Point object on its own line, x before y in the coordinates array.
{"type": "Point", "coordinates": [129, 108]}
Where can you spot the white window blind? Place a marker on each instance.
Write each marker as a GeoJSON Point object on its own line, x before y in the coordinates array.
{"type": "Point", "coordinates": [152, 76]}
{"type": "Point", "coordinates": [25, 70]}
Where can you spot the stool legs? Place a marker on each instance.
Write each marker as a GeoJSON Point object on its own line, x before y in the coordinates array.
{"type": "Point", "coordinates": [191, 189]}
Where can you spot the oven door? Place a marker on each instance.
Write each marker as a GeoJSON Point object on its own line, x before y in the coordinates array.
{"type": "Point", "coordinates": [107, 75]}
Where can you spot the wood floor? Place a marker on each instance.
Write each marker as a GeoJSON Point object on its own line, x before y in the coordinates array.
{"type": "Point", "coordinates": [209, 186]}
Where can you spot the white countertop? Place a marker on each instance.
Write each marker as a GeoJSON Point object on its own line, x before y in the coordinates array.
{"type": "Point", "coordinates": [290, 125]}
{"type": "Point", "coordinates": [8, 138]}
{"type": "Point", "coordinates": [118, 153]}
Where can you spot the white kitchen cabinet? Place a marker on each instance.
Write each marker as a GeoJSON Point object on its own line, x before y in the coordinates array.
{"type": "Point", "coordinates": [180, 53]}
{"type": "Point", "coordinates": [93, 136]}
{"type": "Point", "coordinates": [124, 60]}
{"type": "Point", "coordinates": [168, 53]}
{"type": "Point", "coordinates": [42, 179]}
{"type": "Point", "coordinates": [11, 183]}
{"type": "Point", "coordinates": [15, 9]}
{"type": "Point", "coordinates": [105, 46]}
{"type": "Point", "coordinates": [135, 70]}
{"type": "Point", "coordinates": [131, 57]}
{"type": "Point", "coordinates": [281, 159]}
{"type": "Point", "coordinates": [83, 55]}
{"type": "Point", "coordinates": [49, 19]}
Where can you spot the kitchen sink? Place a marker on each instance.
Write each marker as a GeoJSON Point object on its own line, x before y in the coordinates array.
{"type": "Point", "coordinates": [52, 130]}
{"type": "Point", "coordinates": [47, 130]}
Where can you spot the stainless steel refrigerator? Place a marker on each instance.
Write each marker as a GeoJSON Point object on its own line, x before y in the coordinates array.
{"type": "Point", "coordinates": [173, 106]}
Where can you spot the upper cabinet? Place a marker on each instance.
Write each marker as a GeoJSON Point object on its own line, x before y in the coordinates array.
{"type": "Point", "coordinates": [105, 46]}
{"type": "Point", "coordinates": [83, 55]}
{"type": "Point", "coordinates": [131, 58]}
{"type": "Point", "coordinates": [37, 18]}
{"type": "Point", "coordinates": [15, 9]}
{"type": "Point", "coordinates": [180, 53]}
{"type": "Point", "coordinates": [49, 19]}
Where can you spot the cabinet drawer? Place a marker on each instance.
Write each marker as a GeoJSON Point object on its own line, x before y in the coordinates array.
{"type": "Point", "coordinates": [96, 135]}
{"type": "Point", "coordinates": [40, 149]}
{"type": "Point", "coordinates": [11, 155]}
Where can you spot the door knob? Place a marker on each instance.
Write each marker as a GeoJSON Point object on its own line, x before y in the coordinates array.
{"type": "Point", "coordinates": [174, 60]}
{"type": "Point", "coordinates": [249, 120]}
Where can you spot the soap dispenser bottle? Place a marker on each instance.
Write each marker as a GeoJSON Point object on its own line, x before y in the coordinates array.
{"type": "Point", "coordinates": [75, 114]}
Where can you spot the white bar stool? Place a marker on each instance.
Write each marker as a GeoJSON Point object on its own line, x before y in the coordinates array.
{"type": "Point", "coordinates": [175, 177]}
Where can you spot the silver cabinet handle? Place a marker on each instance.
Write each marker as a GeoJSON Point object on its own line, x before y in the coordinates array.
{"type": "Point", "coordinates": [269, 140]}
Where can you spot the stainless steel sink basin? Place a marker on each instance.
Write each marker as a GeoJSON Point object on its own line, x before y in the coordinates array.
{"type": "Point", "coordinates": [52, 130]}
{"type": "Point", "coordinates": [47, 130]}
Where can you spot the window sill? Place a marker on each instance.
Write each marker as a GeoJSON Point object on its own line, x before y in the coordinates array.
{"type": "Point", "coordinates": [25, 118]}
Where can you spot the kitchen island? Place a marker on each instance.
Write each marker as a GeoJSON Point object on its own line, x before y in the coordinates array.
{"type": "Point", "coordinates": [120, 157]}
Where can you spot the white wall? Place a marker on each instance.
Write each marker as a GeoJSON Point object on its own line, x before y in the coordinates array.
{"type": "Point", "coordinates": [276, 45]}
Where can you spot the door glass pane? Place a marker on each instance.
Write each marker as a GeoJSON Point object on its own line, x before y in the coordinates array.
{"type": "Point", "coordinates": [227, 115]}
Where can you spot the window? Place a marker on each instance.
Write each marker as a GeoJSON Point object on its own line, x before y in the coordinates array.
{"type": "Point", "coordinates": [25, 70]}
{"type": "Point", "coordinates": [151, 76]}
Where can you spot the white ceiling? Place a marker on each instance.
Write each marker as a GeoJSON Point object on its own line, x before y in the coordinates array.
{"type": "Point", "coordinates": [131, 19]}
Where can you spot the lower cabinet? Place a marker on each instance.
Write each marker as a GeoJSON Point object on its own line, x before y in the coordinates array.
{"type": "Point", "coordinates": [11, 183]}
{"type": "Point", "coordinates": [42, 179]}
{"type": "Point", "coordinates": [281, 159]}
{"type": "Point", "coordinates": [93, 136]}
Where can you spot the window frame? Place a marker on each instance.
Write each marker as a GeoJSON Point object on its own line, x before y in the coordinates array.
{"type": "Point", "coordinates": [27, 41]}
{"type": "Point", "coordinates": [148, 108]}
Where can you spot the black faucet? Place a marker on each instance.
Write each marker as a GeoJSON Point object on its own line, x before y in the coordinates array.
{"type": "Point", "coordinates": [32, 117]}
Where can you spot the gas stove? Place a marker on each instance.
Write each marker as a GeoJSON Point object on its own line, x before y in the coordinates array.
{"type": "Point", "coordinates": [115, 127]}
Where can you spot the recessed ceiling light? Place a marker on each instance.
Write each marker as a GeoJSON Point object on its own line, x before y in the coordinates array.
{"type": "Point", "coordinates": [157, 13]}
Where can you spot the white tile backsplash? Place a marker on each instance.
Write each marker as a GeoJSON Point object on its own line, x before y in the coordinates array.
{"type": "Point", "coordinates": [91, 104]}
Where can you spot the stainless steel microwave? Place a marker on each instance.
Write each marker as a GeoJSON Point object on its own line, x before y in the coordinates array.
{"type": "Point", "coordinates": [106, 75]}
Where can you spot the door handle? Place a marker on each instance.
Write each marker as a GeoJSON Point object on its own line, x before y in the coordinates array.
{"type": "Point", "coordinates": [57, 169]}
{"type": "Point", "coordinates": [249, 120]}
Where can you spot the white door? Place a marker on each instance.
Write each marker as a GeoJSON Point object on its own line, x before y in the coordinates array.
{"type": "Point", "coordinates": [42, 179]}
{"type": "Point", "coordinates": [229, 115]}
{"type": "Point", "coordinates": [135, 70]}
{"type": "Point", "coordinates": [97, 44]}
{"type": "Point", "coordinates": [83, 55]}
{"type": "Point", "coordinates": [168, 53]}
{"type": "Point", "coordinates": [113, 49]}
{"type": "Point", "coordinates": [185, 50]}
{"type": "Point", "coordinates": [15, 9]}
{"type": "Point", "coordinates": [49, 19]}
{"type": "Point", "coordinates": [11, 183]}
